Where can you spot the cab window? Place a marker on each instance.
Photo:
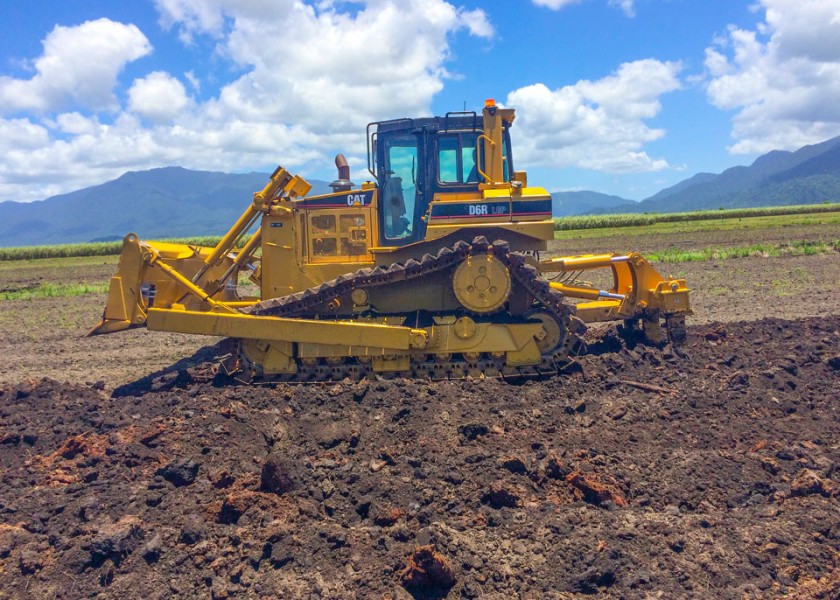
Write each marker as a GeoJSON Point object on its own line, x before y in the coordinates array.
{"type": "Point", "coordinates": [456, 158]}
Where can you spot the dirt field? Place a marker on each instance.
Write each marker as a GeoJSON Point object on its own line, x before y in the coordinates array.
{"type": "Point", "coordinates": [710, 471]}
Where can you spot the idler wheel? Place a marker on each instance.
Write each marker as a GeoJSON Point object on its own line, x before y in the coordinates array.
{"type": "Point", "coordinates": [554, 332]}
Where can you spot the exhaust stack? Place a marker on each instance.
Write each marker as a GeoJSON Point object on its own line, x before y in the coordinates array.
{"type": "Point", "coordinates": [343, 183]}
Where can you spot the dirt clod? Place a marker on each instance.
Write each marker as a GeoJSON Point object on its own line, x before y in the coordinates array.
{"type": "Point", "coordinates": [30, 561]}
{"type": "Point", "coordinates": [179, 472]}
{"type": "Point", "coordinates": [809, 482]}
{"type": "Point", "coordinates": [194, 530]}
{"type": "Point", "coordinates": [473, 431]}
{"type": "Point", "coordinates": [555, 467]}
{"type": "Point", "coordinates": [590, 488]}
{"type": "Point", "coordinates": [501, 495]}
{"type": "Point", "coordinates": [116, 540]}
{"type": "Point", "coordinates": [152, 549]}
{"type": "Point", "coordinates": [427, 568]}
{"type": "Point", "coordinates": [276, 476]}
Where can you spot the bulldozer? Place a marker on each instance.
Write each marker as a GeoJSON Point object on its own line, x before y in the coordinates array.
{"type": "Point", "coordinates": [435, 268]}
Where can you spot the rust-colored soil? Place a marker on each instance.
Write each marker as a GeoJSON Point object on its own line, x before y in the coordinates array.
{"type": "Point", "coordinates": [709, 471]}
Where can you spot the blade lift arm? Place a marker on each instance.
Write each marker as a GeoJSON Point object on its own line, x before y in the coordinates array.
{"type": "Point", "coordinates": [171, 275]}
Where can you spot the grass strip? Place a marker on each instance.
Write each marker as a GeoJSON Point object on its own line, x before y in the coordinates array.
{"type": "Point", "coordinates": [565, 224]}
{"type": "Point", "coordinates": [800, 248]}
{"type": "Point", "coordinates": [644, 219]}
{"type": "Point", "coordinates": [52, 290]}
{"type": "Point", "coordinates": [95, 248]}
{"type": "Point", "coordinates": [740, 224]}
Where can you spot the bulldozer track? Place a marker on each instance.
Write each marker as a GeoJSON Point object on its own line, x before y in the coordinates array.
{"type": "Point", "coordinates": [315, 300]}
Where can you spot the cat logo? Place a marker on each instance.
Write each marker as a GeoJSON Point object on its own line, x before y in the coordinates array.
{"type": "Point", "coordinates": [355, 199]}
{"type": "Point", "coordinates": [478, 209]}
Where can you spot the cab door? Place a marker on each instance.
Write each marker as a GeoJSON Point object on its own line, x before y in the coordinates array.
{"type": "Point", "coordinates": [402, 178]}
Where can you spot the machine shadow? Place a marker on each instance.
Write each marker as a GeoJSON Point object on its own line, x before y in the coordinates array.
{"type": "Point", "coordinates": [179, 374]}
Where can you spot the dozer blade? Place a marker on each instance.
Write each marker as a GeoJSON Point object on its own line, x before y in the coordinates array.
{"type": "Point", "coordinates": [161, 275]}
{"type": "Point", "coordinates": [125, 307]}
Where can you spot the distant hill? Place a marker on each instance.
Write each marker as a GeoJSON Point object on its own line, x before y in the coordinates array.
{"type": "Point", "coordinates": [698, 179]}
{"type": "Point", "coordinates": [166, 202]}
{"type": "Point", "coordinates": [809, 175]}
{"type": "Point", "coordinates": [176, 202]}
{"type": "Point", "coordinates": [565, 204]}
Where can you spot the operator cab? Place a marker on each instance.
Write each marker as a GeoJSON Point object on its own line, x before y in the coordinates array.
{"type": "Point", "coordinates": [412, 160]}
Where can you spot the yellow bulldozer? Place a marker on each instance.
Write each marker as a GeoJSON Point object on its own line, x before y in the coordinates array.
{"type": "Point", "coordinates": [431, 269]}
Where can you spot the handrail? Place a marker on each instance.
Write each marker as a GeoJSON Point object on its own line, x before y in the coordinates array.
{"type": "Point", "coordinates": [478, 156]}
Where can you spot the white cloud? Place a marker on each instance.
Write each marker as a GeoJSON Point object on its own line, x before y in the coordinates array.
{"type": "Point", "coordinates": [594, 124]}
{"type": "Point", "coordinates": [190, 16]}
{"type": "Point", "coordinates": [783, 78]}
{"type": "Point", "coordinates": [21, 134]}
{"type": "Point", "coordinates": [625, 5]}
{"type": "Point", "coordinates": [313, 77]}
{"type": "Point", "coordinates": [195, 82]}
{"type": "Point", "coordinates": [78, 68]}
{"type": "Point", "coordinates": [159, 97]}
{"type": "Point", "coordinates": [555, 4]}
{"type": "Point", "coordinates": [476, 22]}
{"type": "Point", "coordinates": [337, 67]}
{"type": "Point", "coordinates": [77, 124]}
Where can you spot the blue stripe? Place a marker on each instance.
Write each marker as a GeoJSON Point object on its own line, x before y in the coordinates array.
{"type": "Point", "coordinates": [490, 208]}
{"type": "Point", "coordinates": [471, 209]}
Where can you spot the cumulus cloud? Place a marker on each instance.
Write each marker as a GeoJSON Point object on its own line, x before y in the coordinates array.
{"type": "Point", "coordinates": [476, 22]}
{"type": "Point", "coordinates": [75, 123]}
{"type": "Point", "coordinates": [79, 67]}
{"type": "Point", "coordinates": [159, 97]}
{"type": "Point", "coordinates": [191, 17]}
{"type": "Point", "coordinates": [783, 78]}
{"type": "Point", "coordinates": [22, 134]}
{"type": "Point", "coordinates": [312, 75]}
{"type": "Point", "coordinates": [334, 64]}
{"type": "Point", "coordinates": [305, 97]}
{"type": "Point", "coordinates": [594, 124]}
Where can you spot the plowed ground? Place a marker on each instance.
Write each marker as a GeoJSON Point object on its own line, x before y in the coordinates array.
{"type": "Point", "coordinates": [708, 471]}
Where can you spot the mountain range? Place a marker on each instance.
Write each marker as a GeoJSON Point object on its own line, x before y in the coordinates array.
{"type": "Point", "coordinates": [176, 202]}
{"type": "Point", "coordinates": [810, 175]}
{"type": "Point", "coordinates": [159, 203]}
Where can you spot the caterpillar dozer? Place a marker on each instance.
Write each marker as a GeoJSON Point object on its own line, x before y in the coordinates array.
{"type": "Point", "coordinates": [430, 269]}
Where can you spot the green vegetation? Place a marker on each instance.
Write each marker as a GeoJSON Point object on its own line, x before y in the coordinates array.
{"type": "Point", "coordinates": [52, 290]}
{"type": "Point", "coordinates": [795, 282]}
{"type": "Point", "coordinates": [767, 250]}
{"type": "Point", "coordinates": [642, 220]}
{"type": "Point", "coordinates": [40, 265]}
{"type": "Point", "coordinates": [722, 224]}
{"type": "Point", "coordinates": [591, 226]}
{"type": "Point", "coordinates": [91, 248]}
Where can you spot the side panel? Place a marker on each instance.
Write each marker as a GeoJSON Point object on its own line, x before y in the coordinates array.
{"type": "Point", "coordinates": [280, 273]}
{"type": "Point", "coordinates": [339, 228]}
{"type": "Point", "coordinates": [317, 240]}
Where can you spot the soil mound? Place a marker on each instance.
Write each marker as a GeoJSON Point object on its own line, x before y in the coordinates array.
{"type": "Point", "coordinates": [711, 471]}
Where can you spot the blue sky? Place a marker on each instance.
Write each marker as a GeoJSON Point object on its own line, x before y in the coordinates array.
{"type": "Point", "coordinates": [619, 96]}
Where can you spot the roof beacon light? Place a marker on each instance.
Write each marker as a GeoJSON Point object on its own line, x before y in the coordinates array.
{"type": "Point", "coordinates": [489, 103]}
